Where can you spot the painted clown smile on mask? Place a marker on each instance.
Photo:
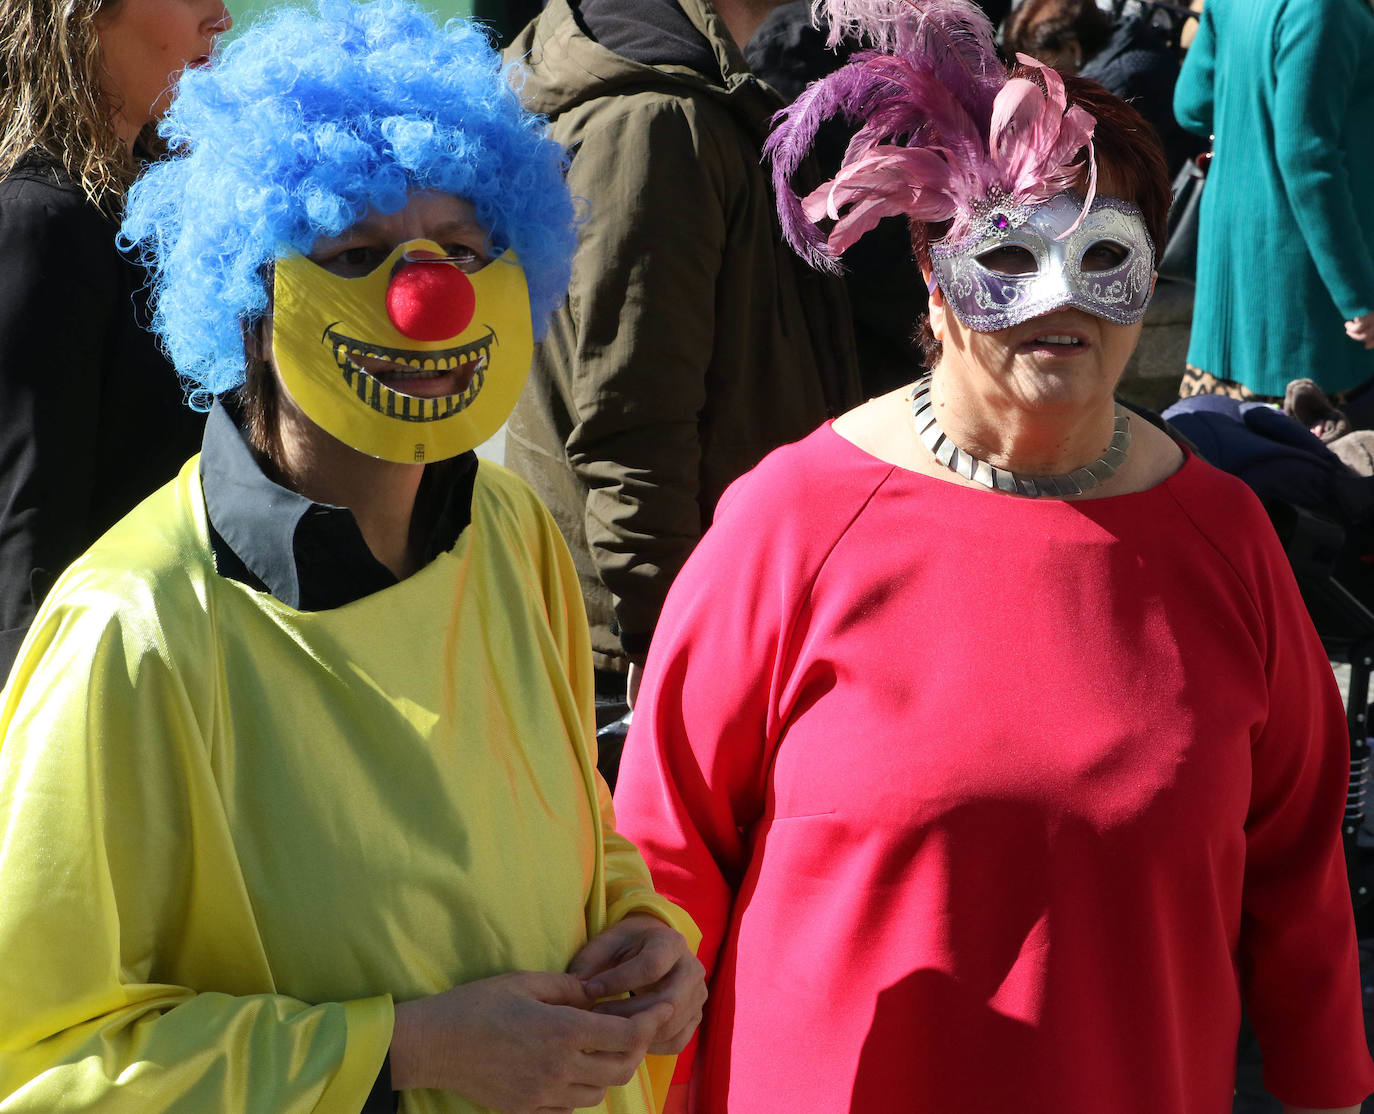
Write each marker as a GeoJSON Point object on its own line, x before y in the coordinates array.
{"type": "Point", "coordinates": [412, 362]}
{"type": "Point", "coordinates": [415, 368]}
{"type": "Point", "coordinates": [1021, 262]}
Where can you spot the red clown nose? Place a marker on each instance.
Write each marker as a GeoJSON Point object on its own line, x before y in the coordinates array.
{"type": "Point", "coordinates": [430, 301]}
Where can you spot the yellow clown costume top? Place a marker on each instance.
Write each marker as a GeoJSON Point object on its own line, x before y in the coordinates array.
{"type": "Point", "coordinates": [233, 833]}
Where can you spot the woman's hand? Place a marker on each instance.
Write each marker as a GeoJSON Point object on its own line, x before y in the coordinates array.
{"type": "Point", "coordinates": [520, 1043]}
{"type": "Point", "coordinates": [1361, 330]}
{"type": "Point", "coordinates": [651, 961]}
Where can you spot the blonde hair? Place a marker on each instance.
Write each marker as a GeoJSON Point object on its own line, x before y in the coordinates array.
{"type": "Point", "coordinates": [51, 96]}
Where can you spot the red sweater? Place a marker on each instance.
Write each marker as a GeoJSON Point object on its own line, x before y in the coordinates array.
{"type": "Point", "coordinates": [986, 803]}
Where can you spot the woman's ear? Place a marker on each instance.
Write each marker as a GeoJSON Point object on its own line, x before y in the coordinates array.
{"type": "Point", "coordinates": [937, 305]}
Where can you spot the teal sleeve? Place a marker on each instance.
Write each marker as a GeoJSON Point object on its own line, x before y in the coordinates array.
{"type": "Point", "coordinates": [1194, 92]}
{"type": "Point", "coordinates": [1319, 59]}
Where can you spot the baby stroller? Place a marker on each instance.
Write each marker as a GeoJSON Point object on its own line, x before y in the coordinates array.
{"type": "Point", "coordinates": [1323, 513]}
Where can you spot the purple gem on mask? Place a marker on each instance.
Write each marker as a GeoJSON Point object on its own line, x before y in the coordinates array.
{"type": "Point", "coordinates": [1001, 222]}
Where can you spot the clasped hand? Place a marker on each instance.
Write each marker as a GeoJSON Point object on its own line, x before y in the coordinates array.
{"type": "Point", "coordinates": [643, 957]}
{"type": "Point", "coordinates": [535, 1041]}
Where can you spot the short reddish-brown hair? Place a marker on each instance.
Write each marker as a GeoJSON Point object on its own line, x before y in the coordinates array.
{"type": "Point", "coordinates": [1130, 156]}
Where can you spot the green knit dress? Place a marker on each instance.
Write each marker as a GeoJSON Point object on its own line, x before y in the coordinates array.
{"type": "Point", "coordinates": [1286, 248]}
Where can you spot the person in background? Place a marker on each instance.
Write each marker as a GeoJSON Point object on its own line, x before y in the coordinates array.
{"type": "Point", "coordinates": [298, 804]}
{"type": "Point", "coordinates": [504, 17]}
{"type": "Point", "coordinates": [985, 735]}
{"type": "Point", "coordinates": [1126, 55]}
{"type": "Point", "coordinates": [1190, 25]}
{"type": "Point", "coordinates": [692, 343]}
{"type": "Point", "coordinates": [885, 294]}
{"type": "Point", "coordinates": [996, 10]}
{"type": "Point", "coordinates": [1060, 33]}
{"type": "Point", "coordinates": [92, 419]}
{"type": "Point", "coordinates": [1285, 270]}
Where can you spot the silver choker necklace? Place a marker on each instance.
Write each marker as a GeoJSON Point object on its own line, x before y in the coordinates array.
{"type": "Point", "coordinates": [1003, 479]}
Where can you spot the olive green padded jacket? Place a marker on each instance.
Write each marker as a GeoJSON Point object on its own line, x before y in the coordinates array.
{"type": "Point", "coordinates": [692, 342]}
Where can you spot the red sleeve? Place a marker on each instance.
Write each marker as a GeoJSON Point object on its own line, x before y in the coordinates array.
{"type": "Point", "coordinates": [1298, 957]}
{"type": "Point", "coordinates": [693, 778]}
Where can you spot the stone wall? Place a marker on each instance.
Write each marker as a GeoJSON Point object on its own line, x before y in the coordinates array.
{"type": "Point", "coordinates": [1154, 371]}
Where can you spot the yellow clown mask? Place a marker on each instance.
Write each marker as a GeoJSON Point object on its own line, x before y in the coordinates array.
{"type": "Point", "coordinates": [414, 361]}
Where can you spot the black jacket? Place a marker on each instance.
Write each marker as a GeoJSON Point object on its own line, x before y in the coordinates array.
{"type": "Point", "coordinates": [92, 418]}
{"type": "Point", "coordinates": [887, 295]}
{"type": "Point", "coordinates": [1139, 66]}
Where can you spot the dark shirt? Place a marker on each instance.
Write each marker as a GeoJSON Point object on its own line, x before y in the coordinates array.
{"type": "Point", "coordinates": [650, 32]}
{"type": "Point", "coordinates": [505, 17]}
{"type": "Point", "coordinates": [309, 555]}
{"type": "Point", "coordinates": [91, 414]}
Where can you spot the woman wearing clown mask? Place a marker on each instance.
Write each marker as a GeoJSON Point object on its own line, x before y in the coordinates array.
{"type": "Point", "coordinates": [297, 805]}
{"type": "Point", "coordinates": [986, 732]}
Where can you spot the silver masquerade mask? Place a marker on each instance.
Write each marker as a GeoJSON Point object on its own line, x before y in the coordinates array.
{"type": "Point", "coordinates": [1013, 266]}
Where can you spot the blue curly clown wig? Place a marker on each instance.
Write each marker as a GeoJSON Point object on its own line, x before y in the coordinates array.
{"type": "Point", "coordinates": [306, 122]}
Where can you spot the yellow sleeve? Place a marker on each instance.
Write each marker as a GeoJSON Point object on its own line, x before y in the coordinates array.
{"type": "Point", "coordinates": [133, 975]}
{"type": "Point", "coordinates": [627, 885]}
{"type": "Point", "coordinates": [629, 890]}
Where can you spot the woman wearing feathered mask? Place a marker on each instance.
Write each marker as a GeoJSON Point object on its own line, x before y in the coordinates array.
{"type": "Point", "coordinates": [985, 735]}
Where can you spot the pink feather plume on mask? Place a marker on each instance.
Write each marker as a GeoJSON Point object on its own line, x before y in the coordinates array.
{"type": "Point", "coordinates": [880, 184]}
{"type": "Point", "coordinates": [942, 127]}
{"type": "Point", "coordinates": [1035, 137]}
{"type": "Point", "coordinates": [954, 37]}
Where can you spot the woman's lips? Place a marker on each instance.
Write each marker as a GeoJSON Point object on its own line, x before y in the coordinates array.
{"type": "Point", "coordinates": [1055, 342]}
{"type": "Point", "coordinates": [428, 383]}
